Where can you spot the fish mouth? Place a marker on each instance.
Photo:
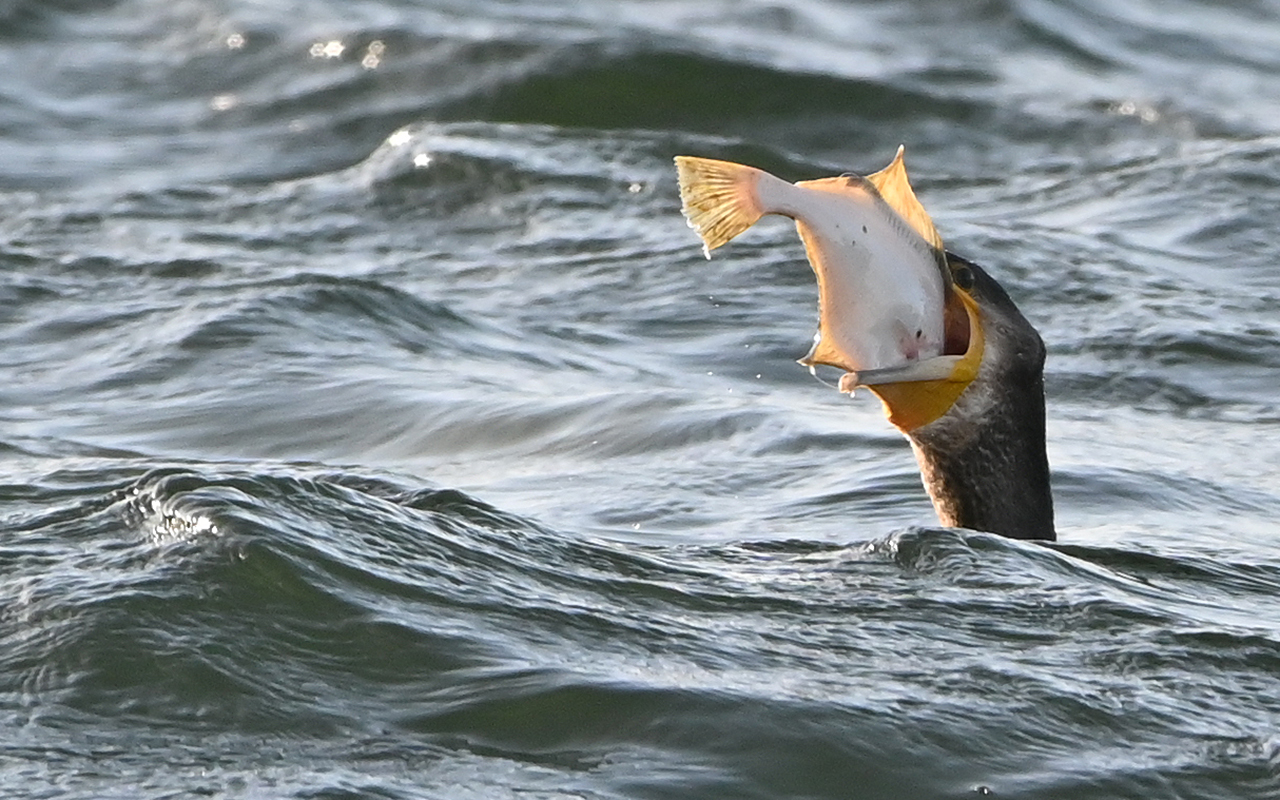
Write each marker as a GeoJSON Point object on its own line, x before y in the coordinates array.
{"type": "Point", "coordinates": [917, 393]}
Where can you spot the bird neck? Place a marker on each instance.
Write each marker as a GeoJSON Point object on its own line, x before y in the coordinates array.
{"type": "Point", "coordinates": [984, 462]}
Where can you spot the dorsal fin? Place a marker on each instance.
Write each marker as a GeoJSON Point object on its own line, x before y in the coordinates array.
{"type": "Point", "coordinates": [894, 187]}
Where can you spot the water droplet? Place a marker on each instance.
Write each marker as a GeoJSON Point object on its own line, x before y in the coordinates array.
{"type": "Point", "coordinates": [330, 49]}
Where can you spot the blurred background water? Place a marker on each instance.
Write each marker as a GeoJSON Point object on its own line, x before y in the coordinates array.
{"type": "Point", "coordinates": [371, 425]}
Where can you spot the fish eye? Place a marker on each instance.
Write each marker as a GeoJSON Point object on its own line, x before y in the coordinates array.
{"type": "Point", "coordinates": [963, 277]}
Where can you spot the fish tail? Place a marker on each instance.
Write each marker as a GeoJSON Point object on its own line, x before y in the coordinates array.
{"type": "Point", "coordinates": [718, 198]}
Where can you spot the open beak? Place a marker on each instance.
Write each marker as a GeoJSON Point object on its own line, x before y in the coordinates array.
{"type": "Point", "coordinates": [919, 392]}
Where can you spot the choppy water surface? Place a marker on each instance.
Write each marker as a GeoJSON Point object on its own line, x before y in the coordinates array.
{"type": "Point", "coordinates": [372, 426]}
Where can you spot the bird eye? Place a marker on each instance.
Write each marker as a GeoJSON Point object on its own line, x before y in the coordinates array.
{"type": "Point", "coordinates": [963, 277]}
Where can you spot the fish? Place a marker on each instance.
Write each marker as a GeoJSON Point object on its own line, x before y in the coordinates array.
{"type": "Point", "coordinates": [883, 280]}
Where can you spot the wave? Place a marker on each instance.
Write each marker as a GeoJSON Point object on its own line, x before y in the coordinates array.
{"type": "Point", "coordinates": [312, 546]}
{"type": "Point", "coordinates": [311, 605]}
{"type": "Point", "coordinates": [245, 99]}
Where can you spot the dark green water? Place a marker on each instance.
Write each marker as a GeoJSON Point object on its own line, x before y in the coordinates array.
{"type": "Point", "coordinates": [371, 425]}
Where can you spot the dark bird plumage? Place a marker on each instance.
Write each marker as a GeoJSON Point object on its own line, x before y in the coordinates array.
{"type": "Point", "coordinates": [984, 462]}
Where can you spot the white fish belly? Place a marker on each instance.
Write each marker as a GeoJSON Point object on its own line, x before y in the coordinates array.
{"type": "Point", "coordinates": [882, 291]}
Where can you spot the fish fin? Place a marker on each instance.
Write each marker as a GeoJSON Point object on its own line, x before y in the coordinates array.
{"type": "Point", "coordinates": [825, 348]}
{"type": "Point", "coordinates": [718, 198]}
{"type": "Point", "coordinates": [825, 354]}
{"type": "Point", "coordinates": [895, 189]}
